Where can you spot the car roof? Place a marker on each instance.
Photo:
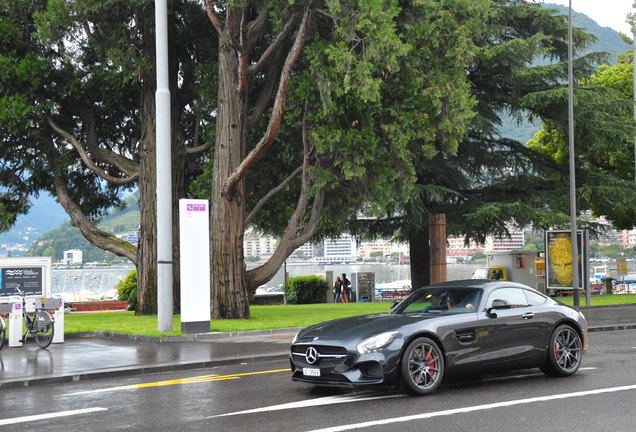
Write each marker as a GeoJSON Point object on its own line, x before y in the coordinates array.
{"type": "Point", "coordinates": [485, 284]}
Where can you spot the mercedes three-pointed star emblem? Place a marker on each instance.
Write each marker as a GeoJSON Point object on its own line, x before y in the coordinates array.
{"type": "Point", "coordinates": [311, 355]}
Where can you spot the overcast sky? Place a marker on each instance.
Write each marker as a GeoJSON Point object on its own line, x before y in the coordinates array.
{"type": "Point", "coordinates": [608, 13]}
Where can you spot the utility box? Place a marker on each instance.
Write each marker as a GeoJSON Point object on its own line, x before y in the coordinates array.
{"type": "Point", "coordinates": [525, 267]}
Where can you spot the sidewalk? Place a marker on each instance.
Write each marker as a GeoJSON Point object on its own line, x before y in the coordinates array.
{"type": "Point", "coordinates": [99, 355]}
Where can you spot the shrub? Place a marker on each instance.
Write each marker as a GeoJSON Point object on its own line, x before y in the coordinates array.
{"type": "Point", "coordinates": [306, 289]}
{"type": "Point", "coordinates": [127, 290]}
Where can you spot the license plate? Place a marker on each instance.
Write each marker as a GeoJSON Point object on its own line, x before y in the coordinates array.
{"type": "Point", "coordinates": [311, 372]}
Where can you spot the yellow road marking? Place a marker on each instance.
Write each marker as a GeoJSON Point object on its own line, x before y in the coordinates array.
{"type": "Point", "coordinates": [191, 380]}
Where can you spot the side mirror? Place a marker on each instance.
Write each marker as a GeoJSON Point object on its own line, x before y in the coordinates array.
{"type": "Point", "coordinates": [498, 304]}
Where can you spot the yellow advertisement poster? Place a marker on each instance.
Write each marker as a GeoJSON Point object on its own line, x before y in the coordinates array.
{"type": "Point", "coordinates": [621, 264]}
{"type": "Point", "coordinates": [559, 259]}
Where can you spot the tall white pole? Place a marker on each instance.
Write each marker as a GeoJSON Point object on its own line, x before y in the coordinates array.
{"type": "Point", "coordinates": [164, 173]}
{"type": "Point", "coordinates": [575, 252]}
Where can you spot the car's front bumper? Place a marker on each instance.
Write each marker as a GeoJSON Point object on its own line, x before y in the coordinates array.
{"type": "Point", "coordinates": [336, 366]}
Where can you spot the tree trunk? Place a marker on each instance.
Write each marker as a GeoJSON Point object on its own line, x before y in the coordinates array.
{"type": "Point", "coordinates": [420, 258]}
{"type": "Point", "coordinates": [147, 248]}
{"type": "Point", "coordinates": [229, 296]}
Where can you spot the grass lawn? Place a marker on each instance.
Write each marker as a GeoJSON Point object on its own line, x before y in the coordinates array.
{"type": "Point", "coordinates": [600, 300]}
{"type": "Point", "coordinates": [263, 317]}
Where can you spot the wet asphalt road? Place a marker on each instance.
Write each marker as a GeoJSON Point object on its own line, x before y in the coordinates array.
{"type": "Point", "coordinates": [600, 397]}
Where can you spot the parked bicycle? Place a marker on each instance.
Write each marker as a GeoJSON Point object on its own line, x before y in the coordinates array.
{"type": "Point", "coordinates": [40, 323]}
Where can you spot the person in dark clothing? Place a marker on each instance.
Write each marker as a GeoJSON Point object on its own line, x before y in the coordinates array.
{"type": "Point", "coordinates": [346, 287]}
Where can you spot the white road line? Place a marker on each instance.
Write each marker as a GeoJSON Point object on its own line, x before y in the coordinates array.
{"type": "Point", "coordinates": [329, 400]}
{"type": "Point", "coordinates": [49, 416]}
{"type": "Point", "coordinates": [474, 408]}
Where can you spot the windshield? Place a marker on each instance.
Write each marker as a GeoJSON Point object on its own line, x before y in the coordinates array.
{"type": "Point", "coordinates": [441, 300]}
{"type": "Point", "coordinates": [481, 273]}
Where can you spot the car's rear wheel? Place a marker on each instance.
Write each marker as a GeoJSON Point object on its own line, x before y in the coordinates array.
{"type": "Point", "coordinates": [422, 367]}
{"type": "Point", "coordinates": [564, 352]}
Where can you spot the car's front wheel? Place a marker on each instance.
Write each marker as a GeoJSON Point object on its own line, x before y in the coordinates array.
{"type": "Point", "coordinates": [564, 352]}
{"type": "Point", "coordinates": [422, 367]}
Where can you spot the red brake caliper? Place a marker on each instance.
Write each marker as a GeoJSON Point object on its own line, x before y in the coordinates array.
{"type": "Point", "coordinates": [431, 366]}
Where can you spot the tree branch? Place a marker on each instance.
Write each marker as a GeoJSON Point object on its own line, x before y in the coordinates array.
{"type": "Point", "coordinates": [88, 161]}
{"type": "Point", "coordinates": [270, 194]}
{"type": "Point", "coordinates": [266, 92]}
{"type": "Point", "coordinates": [256, 28]}
{"type": "Point", "coordinates": [277, 112]}
{"type": "Point", "coordinates": [274, 46]}
{"type": "Point", "coordinates": [94, 235]}
{"type": "Point", "coordinates": [293, 239]}
{"type": "Point", "coordinates": [214, 19]}
{"type": "Point", "coordinates": [197, 149]}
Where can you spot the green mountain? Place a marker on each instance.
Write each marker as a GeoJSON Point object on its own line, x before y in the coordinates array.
{"type": "Point", "coordinates": [609, 41]}
{"type": "Point", "coordinates": [45, 214]}
{"type": "Point", "coordinates": [53, 243]}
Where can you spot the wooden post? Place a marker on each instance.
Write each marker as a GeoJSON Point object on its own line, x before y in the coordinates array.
{"type": "Point", "coordinates": [437, 230]}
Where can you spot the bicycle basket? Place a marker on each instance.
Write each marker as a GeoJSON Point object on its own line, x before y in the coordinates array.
{"type": "Point", "coordinates": [51, 303]}
{"type": "Point", "coordinates": [5, 308]}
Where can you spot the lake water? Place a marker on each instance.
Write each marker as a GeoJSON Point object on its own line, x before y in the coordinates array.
{"type": "Point", "coordinates": [87, 284]}
{"type": "Point", "coordinates": [100, 283]}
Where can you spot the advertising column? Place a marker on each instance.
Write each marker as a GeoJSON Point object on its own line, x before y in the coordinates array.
{"type": "Point", "coordinates": [194, 245]}
{"type": "Point", "coordinates": [559, 260]}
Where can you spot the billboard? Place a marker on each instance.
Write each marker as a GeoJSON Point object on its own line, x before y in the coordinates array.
{"type": "Point", "coordinates": [28, 279]}
{"type": "Point", "coordinates": [558, 246]}
{"type": "Point", "coordinates": [31, 274]}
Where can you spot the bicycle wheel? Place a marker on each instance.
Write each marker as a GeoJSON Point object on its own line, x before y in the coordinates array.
{"type": "Point", "coordinates": [44, 330]}
{"type": "Point", "coordinates": [3, 331]}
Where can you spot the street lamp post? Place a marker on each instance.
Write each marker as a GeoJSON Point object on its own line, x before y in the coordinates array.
{"type": "Point", "coordinates": [575, 252]}
{"type": "Point", "coordinates": [164, 172]}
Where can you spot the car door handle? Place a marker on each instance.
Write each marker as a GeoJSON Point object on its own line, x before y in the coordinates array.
{"type": "Point", "coordinates": [527, 315]}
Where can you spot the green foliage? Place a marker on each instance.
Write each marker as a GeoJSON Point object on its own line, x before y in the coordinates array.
{"type": "Point", "coordinates": [306, 289]}
{"type": "Point", "coordinates": [127, 290]}
{"type": "Point", "coordinates": [604, 135]}
{"type": "Point", "coordinates": [478, 257]}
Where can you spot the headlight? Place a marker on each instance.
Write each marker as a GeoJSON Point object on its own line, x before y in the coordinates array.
{"type": "Point", "coordinates": [295, 338]}
{"type": "Point", "coordinates": [376, 342]}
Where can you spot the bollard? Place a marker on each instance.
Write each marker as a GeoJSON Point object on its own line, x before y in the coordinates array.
{"type": "Point", "coordinates": [15, 322]}
{"type": "Point", "coordinates": [58, 326]}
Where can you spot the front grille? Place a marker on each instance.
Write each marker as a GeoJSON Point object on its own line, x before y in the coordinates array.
{"type": "Point", "coordinates": [328, 356]}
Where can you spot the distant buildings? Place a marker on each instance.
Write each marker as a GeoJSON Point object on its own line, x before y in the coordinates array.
{"type": "Point", "coordinates": [257, 246]}
{"type": "Point", "coordinates": [341, 249]}
{"type": "Point", "coordinates": [131, 237]}
{"type": "Point", "coordinates": [72, 256]}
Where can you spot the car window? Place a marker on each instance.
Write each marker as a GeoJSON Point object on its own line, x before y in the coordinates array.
{"type": "Point", "coordinates": [514, 296]}
{"type": "Point", "coordinates": [534, 299]}
{"type": "Point", "coordinates": [437, 300]}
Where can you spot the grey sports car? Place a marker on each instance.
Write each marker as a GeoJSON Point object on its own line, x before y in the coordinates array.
{"type": "Point", "coordinates": [469, 326]}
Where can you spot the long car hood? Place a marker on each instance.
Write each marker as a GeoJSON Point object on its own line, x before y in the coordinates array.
{"type": "Point", "coordinates": [358, 327]}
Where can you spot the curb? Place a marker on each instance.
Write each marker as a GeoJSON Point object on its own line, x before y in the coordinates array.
{"type": "Point", "coordinates": [584, 308]}
{"type": "Point", "coordinates": [125, 372]}
{"type": "Point", "coordinates": [178, 338]}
